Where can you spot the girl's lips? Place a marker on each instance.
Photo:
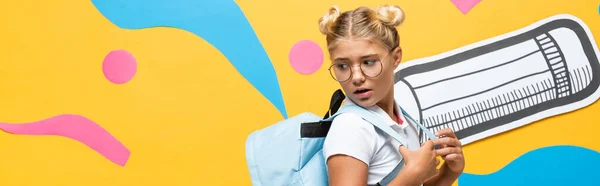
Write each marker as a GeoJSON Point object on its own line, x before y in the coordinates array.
{"type": "Point", "coordinates": [363, 93]}
{"type": "Point", "coordinates": [361, 90]}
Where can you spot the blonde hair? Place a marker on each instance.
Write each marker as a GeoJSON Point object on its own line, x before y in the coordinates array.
{"type": "Point", "coordinates": [377, 25]}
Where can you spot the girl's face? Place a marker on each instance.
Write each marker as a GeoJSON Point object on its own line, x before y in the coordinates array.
{"type": "Point", "coordinates": [365, 70]}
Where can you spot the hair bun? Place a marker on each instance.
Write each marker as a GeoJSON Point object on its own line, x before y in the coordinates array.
{"type": "Point", "coordinates": [328, 19]}
{"type": "Point", "coordinates": [390, 15]}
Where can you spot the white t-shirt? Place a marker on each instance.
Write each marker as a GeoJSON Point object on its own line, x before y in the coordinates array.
{"type": "Point", "coordinates": [351, 135]}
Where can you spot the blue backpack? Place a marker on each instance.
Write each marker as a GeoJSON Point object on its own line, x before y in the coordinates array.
{"type": "Point", "coordinates": [290, 152]}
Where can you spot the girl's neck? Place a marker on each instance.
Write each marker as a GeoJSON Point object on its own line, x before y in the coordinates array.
{"type": "Point", "coordinates": [388, 105]}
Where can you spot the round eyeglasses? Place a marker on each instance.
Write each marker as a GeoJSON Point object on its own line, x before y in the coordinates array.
{"type": "Point", "coordinates": [342, 72]}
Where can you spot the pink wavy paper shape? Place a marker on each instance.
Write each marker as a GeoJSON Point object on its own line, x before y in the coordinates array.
{"type": "Point", "coordinates": [78, 128]}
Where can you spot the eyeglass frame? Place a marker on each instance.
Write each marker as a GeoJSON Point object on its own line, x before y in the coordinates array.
{"type": "Point", "coordinates": [361, 70]}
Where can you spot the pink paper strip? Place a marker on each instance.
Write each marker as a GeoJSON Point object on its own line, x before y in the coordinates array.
{"type": "Point", "coordinates": [78, 128]}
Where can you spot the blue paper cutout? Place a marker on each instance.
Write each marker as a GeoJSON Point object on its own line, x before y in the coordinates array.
{"type": "Point", "coordinates": [549, 166]}
{"type": "Point", "coordinates": [220, 22]}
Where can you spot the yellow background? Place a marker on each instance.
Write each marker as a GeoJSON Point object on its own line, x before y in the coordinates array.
{"type": "Point", "coordinates": [187, 112]}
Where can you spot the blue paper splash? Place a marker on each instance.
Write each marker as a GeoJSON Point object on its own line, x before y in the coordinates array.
{"type": "Point", "coordinates": [548, 166]}
{"type": "Point", "coordinates": [220, 22]}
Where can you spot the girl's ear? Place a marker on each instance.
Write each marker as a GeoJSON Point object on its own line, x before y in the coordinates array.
{"type": "Point", "coordinates": [397, 53]}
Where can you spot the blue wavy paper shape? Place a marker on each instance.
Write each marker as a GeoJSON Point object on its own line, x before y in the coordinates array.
{"type": "Point", "coordinates": [220, 22]}
{"type": "Point", "coordinates": [548, 166]}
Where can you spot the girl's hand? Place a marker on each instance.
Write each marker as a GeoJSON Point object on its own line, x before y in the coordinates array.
{"type": "Point", "coordinates": [423, 162]}
{"type": "Point", "coordinates": [450, 150]}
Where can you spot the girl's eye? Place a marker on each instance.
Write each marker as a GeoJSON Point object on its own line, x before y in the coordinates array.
{"type": "Point", "coordinates": [341, 66]}
{"type": "Point", "coordinates": [370, 62]}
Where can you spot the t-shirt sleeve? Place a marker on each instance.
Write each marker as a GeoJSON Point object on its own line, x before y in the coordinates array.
{"type": "Point", "coordinates": [352, 136]}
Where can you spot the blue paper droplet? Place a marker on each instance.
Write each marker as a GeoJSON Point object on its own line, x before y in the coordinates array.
{"type": "Point", "coordinates": [220, 22]}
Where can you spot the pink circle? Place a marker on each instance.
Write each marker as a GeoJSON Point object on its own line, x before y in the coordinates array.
{"type": "Point", "coordinates": [306, 57]}
{"type": "Point", "coordinates": [119, 66]}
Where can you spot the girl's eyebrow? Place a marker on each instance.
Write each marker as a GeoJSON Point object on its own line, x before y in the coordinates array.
{"type": "Point", "coordinates": [363, 57]}
{"type": "Point", "coordinates": [369, 56]}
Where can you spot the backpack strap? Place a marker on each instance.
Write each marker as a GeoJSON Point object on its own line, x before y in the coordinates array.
{"type": "Point", "coordinates": [378, 123]}
{"type": "Point", "coordinates": [336, 101]}
{"type": "Point", "coordinates": [388, 178]}
{"type": "Point", "coordinates": [371, 118]}
{"type": "Point", "coordinates": [319, 129]}
{"type": "Point", "coordinates": [428, 132]}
